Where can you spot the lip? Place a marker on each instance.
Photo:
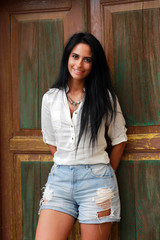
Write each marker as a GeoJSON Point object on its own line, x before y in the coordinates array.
{"type": "Point", "coordinates": [76, 71]}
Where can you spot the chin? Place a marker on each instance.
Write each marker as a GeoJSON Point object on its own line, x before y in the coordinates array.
{"type": "Point", "coordinates": [78, 78]}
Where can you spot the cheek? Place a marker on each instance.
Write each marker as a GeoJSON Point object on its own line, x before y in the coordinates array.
{"type": "Point", "coordinates": [69, 65]}
{"type": "Point", "coordinates": [89, 68]}
{"type": "Point", "coordinates": [70, 62]}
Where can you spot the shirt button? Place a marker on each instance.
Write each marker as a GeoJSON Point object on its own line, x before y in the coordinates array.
{"type": "Point", "coordinates": [71, 126]}
{"type": "Point", "coordinates": [75, 112]}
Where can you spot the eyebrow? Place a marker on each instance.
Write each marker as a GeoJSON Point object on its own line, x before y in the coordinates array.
{"type": "Point", "coordinates": [84, 57]}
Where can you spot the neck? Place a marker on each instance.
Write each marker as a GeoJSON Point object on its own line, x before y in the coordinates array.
{"type": "Point", "coordinates": [75, 87]}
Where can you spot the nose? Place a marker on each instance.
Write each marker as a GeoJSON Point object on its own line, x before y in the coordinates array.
{"type": "Point", "coordinates": [79, 62]}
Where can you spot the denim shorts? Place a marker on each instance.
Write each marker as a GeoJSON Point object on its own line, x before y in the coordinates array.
{"type": "Point", "coordinates": [89, 193]}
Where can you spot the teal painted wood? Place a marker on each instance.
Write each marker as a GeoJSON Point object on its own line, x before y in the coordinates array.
{"type": "Point", "coordinates": [125, 176]}
{"type": "Point", "coordinates": [136, 37]}
{"type": "Point", "coordinates": [40, 51]}
{"type": "Point", "coordinates": [50, 53]}
{"type": "Point", "coordinates": [45, 169]}
{"type": "Point", "coordinates": [139, 185]}
{"type": "Point", "coordinates": [147, 199]}
{"type": "Point", "coordinates": [28, 74]}
{"type": "Point", "coordinates": [34, 177]}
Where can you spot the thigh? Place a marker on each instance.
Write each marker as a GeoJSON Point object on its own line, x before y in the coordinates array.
{"type": "Point", "coordinates": [95, 231]}
{"type": "Point", "coordinates": [54, 225]}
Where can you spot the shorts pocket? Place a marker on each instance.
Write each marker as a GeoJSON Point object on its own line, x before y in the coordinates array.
{"type": "Point", "coordinates": [101, 171]}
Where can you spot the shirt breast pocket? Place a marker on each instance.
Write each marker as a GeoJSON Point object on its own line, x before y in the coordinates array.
{"type": "Point", "coordinates": [56, 120]}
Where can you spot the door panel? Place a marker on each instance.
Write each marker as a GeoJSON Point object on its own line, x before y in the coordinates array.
{"type": "Point", "coordinates": [130, 35]}
{"type": "Point", "coordinates": [136, 48]}
{"type": "Point", "coordinates": [33, 178]}
{"type": "Point", "coordinates": [37, 42]}
{"type": "Point", "coordinates": [39, 49]}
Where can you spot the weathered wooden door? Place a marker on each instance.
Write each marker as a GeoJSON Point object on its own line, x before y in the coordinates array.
{"type": "Point", "coordinates": [32, 36]}
{"type": "Point", "coordinates": [130, 34]}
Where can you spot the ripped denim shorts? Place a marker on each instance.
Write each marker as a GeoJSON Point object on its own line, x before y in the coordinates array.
{"type": "Point", "coordinates": [89, 193]}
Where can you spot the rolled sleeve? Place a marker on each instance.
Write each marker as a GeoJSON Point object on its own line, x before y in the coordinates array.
{"type": "Point", "coordinates": [46, 125]}
{"type": "Point", "coordinates": [116, 129]}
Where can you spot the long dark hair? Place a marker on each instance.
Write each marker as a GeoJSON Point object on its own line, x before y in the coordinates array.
{"type": "Point", "coordinates": [100, 99]}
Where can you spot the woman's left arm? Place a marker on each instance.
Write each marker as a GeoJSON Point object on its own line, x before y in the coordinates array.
{"type": "Point", "coordinates": [118, 137]}
{"type": "Point", "coordinates": [116, 155]}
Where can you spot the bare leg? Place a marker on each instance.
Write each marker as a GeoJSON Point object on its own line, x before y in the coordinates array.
{"type": "Point", "coordinates": [54, 225]}
{"type": "Point", "coordinates": [95, 231]}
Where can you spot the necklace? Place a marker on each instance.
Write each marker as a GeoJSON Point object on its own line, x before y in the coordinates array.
{"type": "Point", "coordinates": [72, 102]}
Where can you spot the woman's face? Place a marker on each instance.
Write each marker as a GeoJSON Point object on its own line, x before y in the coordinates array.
{"type": "Point", "coordinates": [80, 61]}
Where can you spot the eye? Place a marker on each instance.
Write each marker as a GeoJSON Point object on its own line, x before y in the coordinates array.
{"type": "Point", "coordinates": [75, 56]}
{"type": "Point", "coordinates": [88, 59]}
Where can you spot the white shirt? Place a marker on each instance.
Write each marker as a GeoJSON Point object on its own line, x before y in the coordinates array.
{"type": "Point", "coordinates": [60, 130]}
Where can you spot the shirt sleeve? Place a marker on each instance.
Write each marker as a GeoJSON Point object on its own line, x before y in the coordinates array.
{"type": "Point", "coordinates": [46, 125]}
{"type": "Point", "coordinates": [117, 129]}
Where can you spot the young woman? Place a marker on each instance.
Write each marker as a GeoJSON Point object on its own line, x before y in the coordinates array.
{"type": "Point", "coordinates": [76, 113]}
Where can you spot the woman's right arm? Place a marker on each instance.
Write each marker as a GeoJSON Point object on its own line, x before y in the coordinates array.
{"type": "Point", "coordinates": [46, 125]}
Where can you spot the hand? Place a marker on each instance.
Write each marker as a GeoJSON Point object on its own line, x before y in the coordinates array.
{"type": "Point", "coordinates": [52, 149]}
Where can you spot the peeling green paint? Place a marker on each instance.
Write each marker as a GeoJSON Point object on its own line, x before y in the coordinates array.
{"type": "Point", "coordinates": [34, 177]}
{"type": "Point", "coordinates": [139, 185]}
{"type": "Point", "coordinates": [40, 51]}
{"type": "Point", "coordinates": [136, 65]}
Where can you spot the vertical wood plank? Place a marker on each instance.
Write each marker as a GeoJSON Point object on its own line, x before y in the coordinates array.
{"type": "Point", "coordinates": [33, 177]}
{"type": "Point", "coordinates": [7, 220]}
{"type": "Point", "coordinates": [125, 176]}
{"type": "Point", "coordinates": [17, 200]}
{"type": "Point", "coordinates": [28, 75]}
{"type": "Point", "coordinates": [147, 199]}
{"type": "Point", "coordinates": [45, 170]}
{"type": "Point", "coordinates": [50, 53]}
{"type": "Point", "coordinates": [30, 197]}
{"type": "Point", "coordinates": [136, 65]}
{"type": "Point", "coordinates": [40, 52]}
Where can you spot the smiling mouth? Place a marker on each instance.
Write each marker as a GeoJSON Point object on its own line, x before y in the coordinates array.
{"type": "Point", "coordinates": [77, 71]}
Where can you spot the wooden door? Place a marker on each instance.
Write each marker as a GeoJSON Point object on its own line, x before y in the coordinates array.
{"type": "Point", "coordinates": [33, 34]}
{"type": "Point", "coordinates": [130, 34]}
